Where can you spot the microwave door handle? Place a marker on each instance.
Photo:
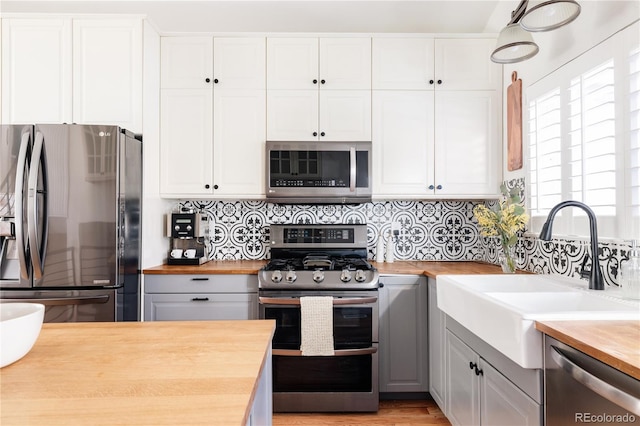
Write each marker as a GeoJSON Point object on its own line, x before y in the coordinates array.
{"type": "Point", "coordinates": [596, 384]}
{"type": "Point", "coordinates": [336, 301]}
{"type": "Point", "coordinates": [21, 238]}
{"type": "Point", "coordinates": [337, 352]}
{"type": "Point", "coordinates": [352, 169]}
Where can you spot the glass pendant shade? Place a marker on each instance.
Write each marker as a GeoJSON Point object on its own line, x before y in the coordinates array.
{"type": "Point", "coordinates": [549, 15]}
{"type": "Point", "coordinates": [514, 45]}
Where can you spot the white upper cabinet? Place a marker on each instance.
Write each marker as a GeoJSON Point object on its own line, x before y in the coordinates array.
{"type": "Point", "coordinates": [36, 71]}
{"type": "Point", "coordinates": [86, 71]}
{"type": "Point", "coordinates": [319, 89]}
{"type": "Point", "coordinates": [440, 64]}
{"type": "Point", "coordinates": [186, 62]}
{"type": "Point", "coordinates": [403, 63]}
{"type": "Point", "coordinates": [213, 117]}
{"type": "Point", "coordinates": [107, 72]}
{"type": "Point", "coordinates": [325, 63]}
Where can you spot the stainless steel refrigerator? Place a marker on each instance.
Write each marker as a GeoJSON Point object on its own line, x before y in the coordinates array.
{"type": "Point", "coordinates": [70, 208]}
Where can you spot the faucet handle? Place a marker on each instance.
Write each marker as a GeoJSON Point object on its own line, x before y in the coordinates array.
{"type": "Point", "coordinates": [585, 273]}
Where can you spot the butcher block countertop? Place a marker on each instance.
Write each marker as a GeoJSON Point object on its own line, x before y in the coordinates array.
{"type": "Point", "coordinates": [616, 343]}
{"type": "Point", "coordinates": [137, 373]}
{"type": "Point", "coordinates": [251, 267]}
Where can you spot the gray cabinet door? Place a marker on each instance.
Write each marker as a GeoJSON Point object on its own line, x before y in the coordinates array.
{"type": "Point", "coordinates": [437, 349]}
{"type": "Point", "coordinates": [403, 334]}
{"type": "Point", "coordinates": [463, 385]}
{"type": "Point", "coordinates": [503, 404]}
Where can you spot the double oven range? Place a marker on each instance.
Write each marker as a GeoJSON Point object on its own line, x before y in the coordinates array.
{"type": "Point", "coordinates": [322, 260]}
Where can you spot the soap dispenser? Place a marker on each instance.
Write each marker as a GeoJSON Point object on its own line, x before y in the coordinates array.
{"type": "Point", "coordinates": [380, 249]}
{"type": "Point", "coordinates": [631, 273]}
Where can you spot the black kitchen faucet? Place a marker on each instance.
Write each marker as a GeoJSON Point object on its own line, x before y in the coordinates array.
{"type": "Point", "coordinates": [596, 282]}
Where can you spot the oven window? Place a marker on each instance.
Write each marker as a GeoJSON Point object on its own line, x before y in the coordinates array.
{"type": "Point", "coordinates": [352, 326]}
{"type": "Point", "coordinates": [322, 373]}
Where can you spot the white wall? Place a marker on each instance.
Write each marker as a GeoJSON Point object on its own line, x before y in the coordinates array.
{"type": "Point", "coordinates": [597, 21]}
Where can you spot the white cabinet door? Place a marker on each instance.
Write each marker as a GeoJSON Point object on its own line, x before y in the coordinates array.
{"type": "Point", "coordinates": [345, 63]}
{"type": "Point", "coordinates": [503, 403]}
{"type": "Point", "coordinates": [463, 385]}
{"type": "Point", "coordinates": [292, 115]}
{"type": "Point", "coordinates": [107, 72]}
{"type": "Point", "coordinates": [239, 63]}
{"type": "Point", "coordinates": [403, 143]}
{"type": "Point", "coordinates": [403, 334]}
{"type": "Point", "coordinates": [186, 62]}
{"type": "Point", "coordinates": [467, 143]}
{"type": "Point", "coordinates": [292, 63]}
{"type": "Point", "coordinates": [186, 140]}
{"type": "Point", "coordinates": [36, 71]}
{"type": "Point", "coordinates": [437, 349]}
{"type": "Point", "coordinates": [238, 140]}
{"type": "Point", "coordinates": [345, 115]}
{"type": "Point", "coordinates": [461, 64]}
{"type": "Point", "coordinates": [403, 63]}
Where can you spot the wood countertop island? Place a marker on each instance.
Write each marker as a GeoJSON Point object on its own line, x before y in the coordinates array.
{"type": "Point", "coordinates": [138, 373]}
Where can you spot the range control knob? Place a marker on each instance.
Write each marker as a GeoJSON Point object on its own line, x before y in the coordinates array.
{"type": "Point", "coordinates": [318, 276]}
{"type": "Point", "coordinates": [276, 276]}
{"type": "Point", "coordinates": [360, 275]}
{"type": "Point", "coordinates": [345, 276]}
{"type": "Point", "coordinates": [290, 276]}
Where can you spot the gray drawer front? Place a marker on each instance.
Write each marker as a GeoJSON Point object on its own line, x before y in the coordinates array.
{"type": "Point", "coordinates": [205, 283]}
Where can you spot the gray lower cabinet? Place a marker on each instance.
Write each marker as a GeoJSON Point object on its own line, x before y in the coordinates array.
{"type": "Point", "coordinates": [479, 394]}
{"type": "Point", "coordinates": [262, 409]}
{"type": "Point", "coordinates": [437, 349]}
{"type": "Point", "coordinates": [200, 297]}
{"type": "Point", "coordinates": [403, 361]}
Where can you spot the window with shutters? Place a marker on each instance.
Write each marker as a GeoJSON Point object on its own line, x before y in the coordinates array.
{"type": "Point", "coordinates": [584, 141]}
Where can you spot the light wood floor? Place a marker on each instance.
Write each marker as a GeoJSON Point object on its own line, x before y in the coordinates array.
{"type": "Point", "coordinates": [391, 413]}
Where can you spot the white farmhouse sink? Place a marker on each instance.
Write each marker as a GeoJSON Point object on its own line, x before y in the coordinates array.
{"type": "Point", "coordinates": [502, 309]}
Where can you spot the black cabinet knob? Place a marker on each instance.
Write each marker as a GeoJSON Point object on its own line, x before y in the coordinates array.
{"type": "Point", "coordinates": [439, 81]}
{"type": "Point", "coordinates": [380, 285]}
{"type": "Point", "coordinates": [430, 81]}
{"type": "Point", "coordinates": [207, 80]}
{"type": "Point", "coordinates": [315, 133]}
{"type": "Point", "coordinates": [472, 365]}
{"type": "Point", "coordinates": [478, 372]}
{"type": "Point", "coordinates": [439, 187]}
{"type": "Point", "coordinates": [431, 187]}
{"type": "Point", "coordinates": [321, 133]}
{"type": "Point", "coordinates": [322, 81]}
{"type": "Point", "coordinates": [215, 187]}
{"type": "Point", "coordinates": [315, 81]}
{"type": "Point", "coordinates": [215, 80]}
{"type": "Point", "coordinates": [207, 186]}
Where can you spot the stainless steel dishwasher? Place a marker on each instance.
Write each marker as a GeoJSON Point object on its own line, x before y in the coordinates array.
{"type": "Point", "coordinates": [580, 389]}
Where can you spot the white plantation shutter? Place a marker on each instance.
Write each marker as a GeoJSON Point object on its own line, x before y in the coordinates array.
{"type": "Point", "coordinates": [584, 142]}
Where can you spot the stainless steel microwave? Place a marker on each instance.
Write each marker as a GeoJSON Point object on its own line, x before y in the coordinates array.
{"type": "Point", "coordinates": [318, 172]}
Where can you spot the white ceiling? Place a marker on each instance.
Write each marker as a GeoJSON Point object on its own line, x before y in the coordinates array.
{"type": "Point", "coordinates": [322, 16]}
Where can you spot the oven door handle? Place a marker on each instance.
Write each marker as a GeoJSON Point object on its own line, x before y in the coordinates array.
{"type": "Point", "coordinates": [339, 352]}
{"type": "Point", "coordinates": [596, 384]}
{"type": "Point", "coordinates": [336, 301]}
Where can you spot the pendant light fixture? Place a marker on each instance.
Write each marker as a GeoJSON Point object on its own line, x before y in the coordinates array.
{"type": "Point", "coordinates": [514, 43]}
{"type": "Point", "coordinates": [549, 15]}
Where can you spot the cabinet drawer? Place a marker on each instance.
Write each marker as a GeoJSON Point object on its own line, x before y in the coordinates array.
{"type": "Point", "coordinates": [200, 307]}
{"type": "Point", "coordinates": [205, 283]}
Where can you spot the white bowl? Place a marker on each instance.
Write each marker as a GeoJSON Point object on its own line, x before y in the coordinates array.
{"type": "Point", "coordinates": [20, 325]}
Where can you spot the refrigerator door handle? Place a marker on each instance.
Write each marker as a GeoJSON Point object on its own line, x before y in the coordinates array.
{"type": "Point", "coordinates": [63, 301]}
{"type": "Point", "coordinates": [38, 243]}
{"type": "Point", "coordinates": [21, 237]}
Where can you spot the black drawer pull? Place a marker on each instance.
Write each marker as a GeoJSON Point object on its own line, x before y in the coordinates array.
{"type": "Point", "coordinates": [200, 299]}
{"type": "Point", "coordinates": [200, 279]}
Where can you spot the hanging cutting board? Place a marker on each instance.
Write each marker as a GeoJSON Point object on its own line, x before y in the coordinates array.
{"type": "Point", "coordinates": [514, 123]}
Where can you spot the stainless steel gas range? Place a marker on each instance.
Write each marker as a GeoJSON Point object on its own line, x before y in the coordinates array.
{"type": "Point", "coordinates": [322, 260]}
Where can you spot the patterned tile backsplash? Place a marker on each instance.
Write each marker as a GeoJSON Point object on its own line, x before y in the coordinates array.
{"type": "Point", "coordinates": [428, 230]}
